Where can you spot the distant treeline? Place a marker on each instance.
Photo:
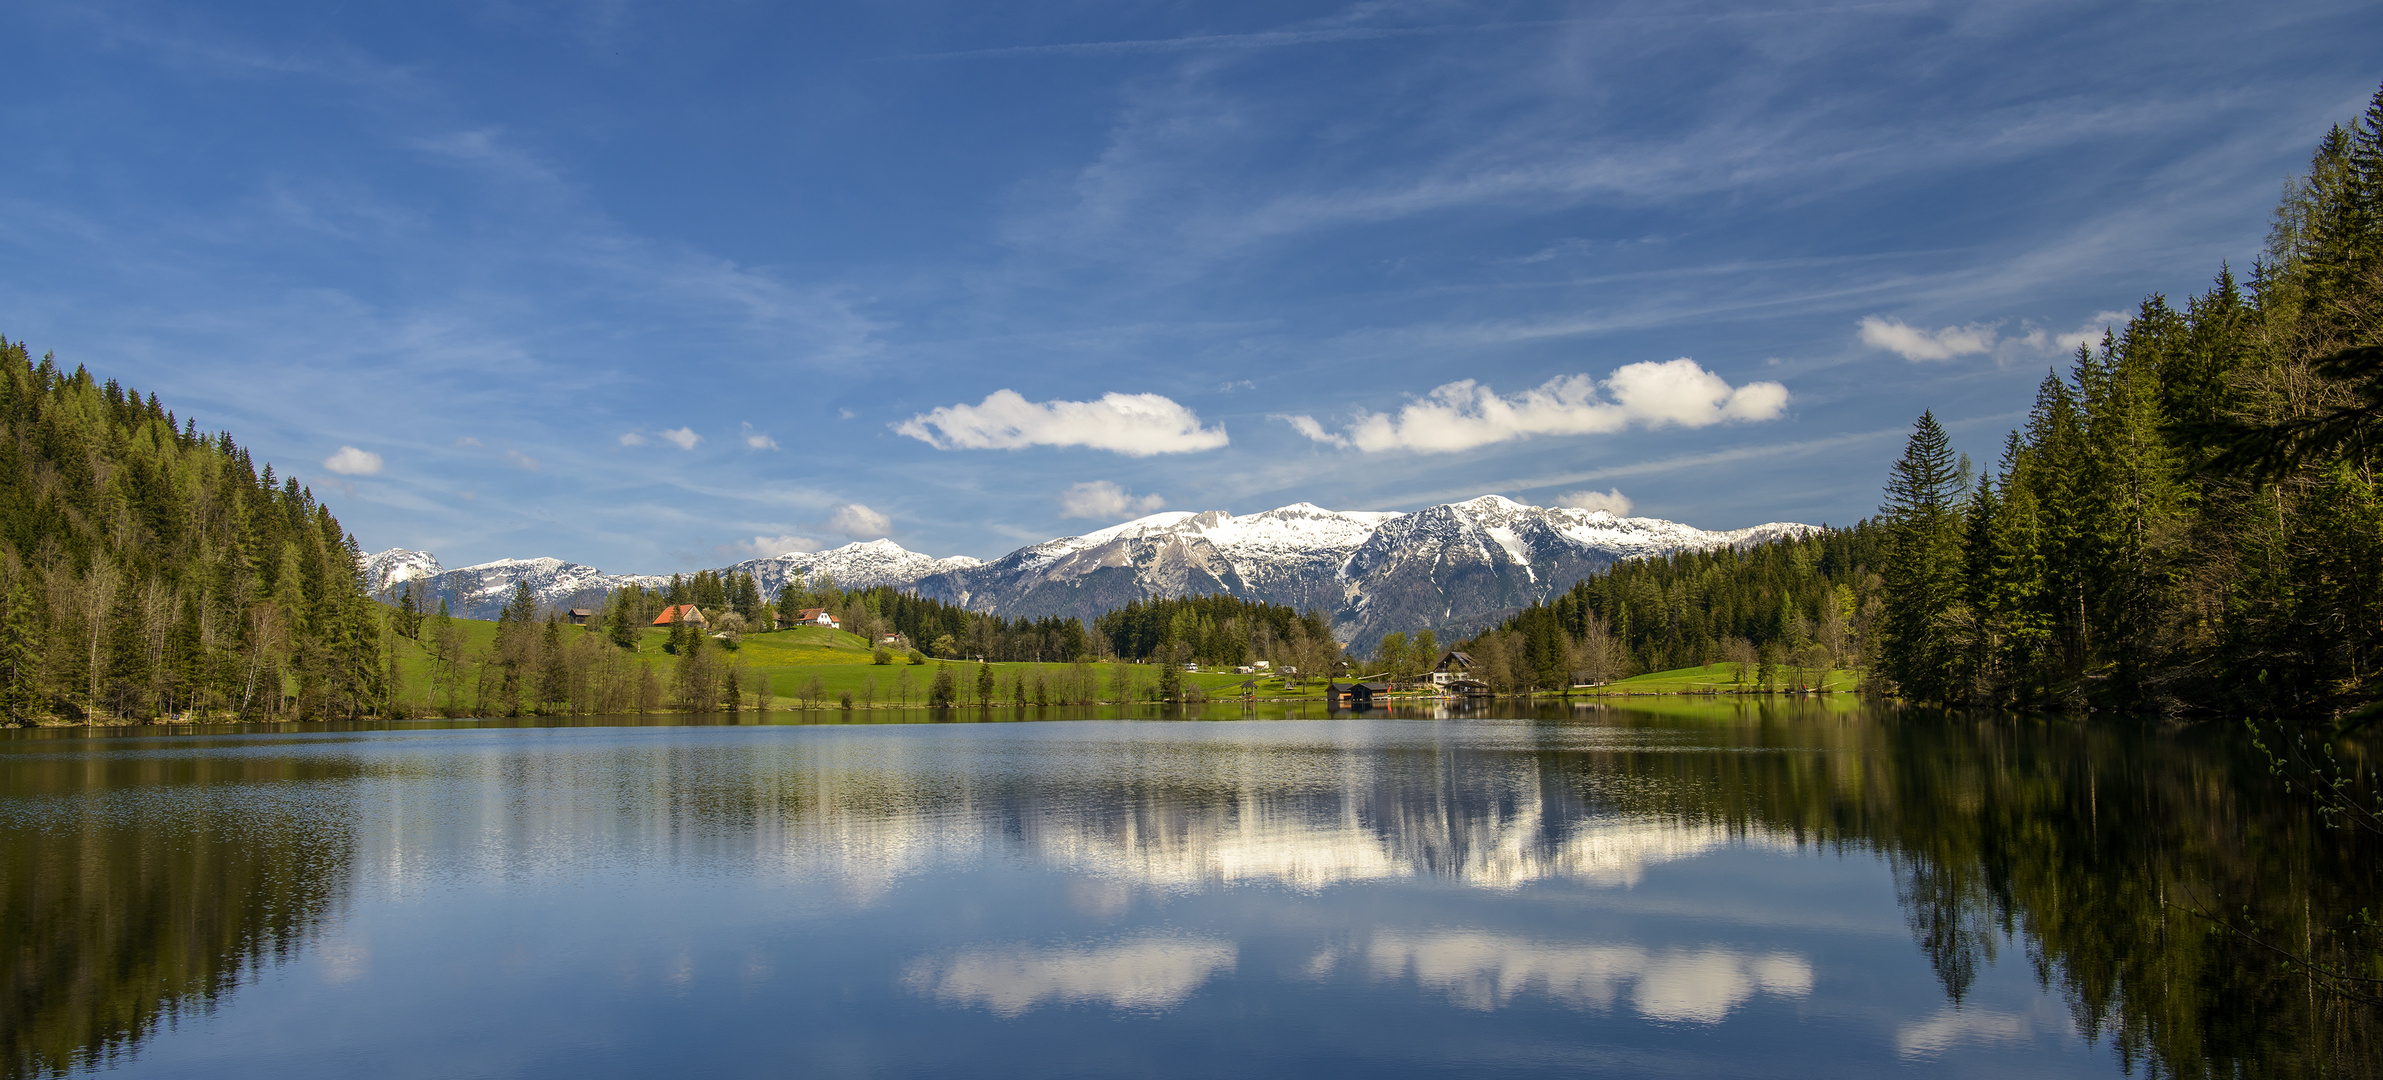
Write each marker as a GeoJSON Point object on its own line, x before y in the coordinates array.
{"type": "Point", "coordinates": [1215, 629]}
{"type": "Point", "coordinates": [1797, 605]}
{"type": "Point", "coordinates": [149, 570]}
{"type": "Point", "coordinates": [2190, 521]}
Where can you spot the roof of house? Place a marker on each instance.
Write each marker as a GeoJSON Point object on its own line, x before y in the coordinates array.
{"type": "Point", "coordinates": [1456, 656]}
{"type": "Point", "coordinates": [810, 613]}
{"type": "Point", "coordinates": [675, 612]}
{"type": "Point", "coordinates": [581, 612]}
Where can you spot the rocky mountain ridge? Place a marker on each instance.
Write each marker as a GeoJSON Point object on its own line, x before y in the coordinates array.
{"type": "Point", "coordinates": [1450, 567]}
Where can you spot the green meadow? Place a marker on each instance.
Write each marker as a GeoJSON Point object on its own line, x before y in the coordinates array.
{"type": "Point", "coordinates": [840, 662]}
{"type": "Point", "coordinates": [1722, 679]}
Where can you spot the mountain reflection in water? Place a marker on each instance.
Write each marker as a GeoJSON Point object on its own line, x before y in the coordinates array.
{"type": "Point", "coordinates": [1782, 889]}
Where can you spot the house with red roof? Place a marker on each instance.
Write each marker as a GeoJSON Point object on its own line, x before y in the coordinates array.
{"type": "Point", "coordinates": [811, 616]}
{"type": "Point", "coordinates": [677, 613]}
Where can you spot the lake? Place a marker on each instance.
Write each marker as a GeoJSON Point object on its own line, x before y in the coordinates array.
{"type": "Point", "coordinates": [1793, 888]}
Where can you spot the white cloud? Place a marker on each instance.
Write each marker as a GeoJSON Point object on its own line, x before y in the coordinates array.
{"type": "Point", "coordinates": [350, 461]}
{"type": "Point", "coordinates": [1914, 343]}
{"type": "Point", "coordinates": [1612, 502]}
{"type": "Point", "coordinates": [467, 441]}
{"type": "Point", "coordinates": [522, 460]}
{"type": "Point", "coordinates": [759, 440]}
{"type": "Point", "coordinates": [1137, 425]}
{"type": "Point", "coordinates": [685, 438]}
{"type": "Point", "coordinates": [859, 522]}
{"type": "Point", "coordinates": [2090, 333]}
{"type": "Point", "coordinates": [845, 414]}
{"type": "Point", "coordinates": [1307, 425]}
{"type": "Point", "coordinates": [632, 439]}
{"type": "Point", "coordinates": [1465, 414]}
{"type": "Point", "coordinates": [1102, 499]}
{"type": "Point", "coordinates": [763, 547]}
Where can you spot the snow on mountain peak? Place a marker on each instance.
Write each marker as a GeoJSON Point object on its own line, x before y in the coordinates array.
{"type": "Point", "coordinates": [1158, 522]}
{"type": "Point", "coordinates": [1452, 566]}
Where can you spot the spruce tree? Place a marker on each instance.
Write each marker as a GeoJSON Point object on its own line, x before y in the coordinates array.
{"type": "Point", "coordinates": [1923, 565]}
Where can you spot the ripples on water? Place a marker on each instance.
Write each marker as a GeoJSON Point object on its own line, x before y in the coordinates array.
{"type": "Point", "coordinates": [1789, 889]}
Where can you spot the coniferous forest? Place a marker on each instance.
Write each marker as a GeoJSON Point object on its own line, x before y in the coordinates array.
{"type": "Point", "coordinates": [2189, 520]}
{"type": "Point", "coordinates": [149, 570]}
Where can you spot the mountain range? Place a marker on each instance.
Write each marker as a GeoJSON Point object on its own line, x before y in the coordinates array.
{"type": "Point", "coordinates": [1453, 567]}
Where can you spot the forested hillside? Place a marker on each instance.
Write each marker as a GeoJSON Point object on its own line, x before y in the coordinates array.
{"type": "Point", "coordinates": [2189, 521]}
{"type": "Point", "coordinates": [148, 570]}
{"type": "Point", "coordinates": [1807, 603]}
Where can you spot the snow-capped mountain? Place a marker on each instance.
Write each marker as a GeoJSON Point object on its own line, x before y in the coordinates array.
{"type": "Point", "coordinates": [863, 565]}
{"type": "Point", "coordinates": [480, 591]}
{"type": "Point", "coordinates": [1451, 567]}
{"type": "Point", "coordinates": [1454, 566]}
{"type": "Point", "coordinates": [391, 569]}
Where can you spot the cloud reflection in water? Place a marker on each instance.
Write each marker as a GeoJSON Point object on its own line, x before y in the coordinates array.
{"type": "Point", "coordinates": [1485, 971]}
{"type": "Point", "coordinates": [1150, 973]}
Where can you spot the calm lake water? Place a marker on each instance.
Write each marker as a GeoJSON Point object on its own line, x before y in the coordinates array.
{"type": "Point", "coordinates": [1788, 889]}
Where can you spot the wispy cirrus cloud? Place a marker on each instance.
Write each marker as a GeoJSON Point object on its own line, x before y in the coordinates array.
{"type": "Point", "coordinates": [1917, 344]}
{"type": "Point", "coordinates": [1136, 425]}
{"type": "Point", "coordinates": [1466, 414]}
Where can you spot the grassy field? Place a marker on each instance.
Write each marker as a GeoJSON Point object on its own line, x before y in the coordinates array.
{"type": "Point", "coordinates": [841, 662]}
{"type": "Point", "coordinates": [1715, 678]}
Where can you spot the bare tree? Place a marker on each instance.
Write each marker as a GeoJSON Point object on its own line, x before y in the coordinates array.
{"type": "Point", "coordinates": [94, 594]}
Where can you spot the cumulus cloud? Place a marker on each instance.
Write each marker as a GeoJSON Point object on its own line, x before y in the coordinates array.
{"type": "Point", "coordinates": [683, 438]}
{"type": "Point", "coordinates": [763, 547]}
{"type": "Point", "coordinates": [1102, 499]}
{"type": "Point", "coordinates": [1612, 502]}
{"type": "Point", "coordinates": [859, 522]}
{"type": "Point", "coordinates": [1915, 343]}
{"type": "Point", "coordinates": [759, 440]}
{"type": "Point", "coordinates": [2090, 333]}
{"type": "Point", "coordinates": [350, 461]}
{"type": "Point", "coordinates": [1137, 425]}
{"type": "Point", "coordinates": [522, 460]}
{"type": "Point", "coordinates": [632, 439]}
{"type": "Point", "coordinates": [1464, 414]}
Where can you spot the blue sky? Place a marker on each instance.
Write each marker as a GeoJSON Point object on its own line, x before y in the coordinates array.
{"type": "Point", "coordinates": [654, 286]}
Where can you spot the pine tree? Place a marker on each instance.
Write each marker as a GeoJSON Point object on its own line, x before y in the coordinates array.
{"type": "Point", "coordinates": [1923, 566]}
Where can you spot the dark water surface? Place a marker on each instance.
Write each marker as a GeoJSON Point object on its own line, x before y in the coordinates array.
{"type": "Point", "coordinates": [1790, 889]}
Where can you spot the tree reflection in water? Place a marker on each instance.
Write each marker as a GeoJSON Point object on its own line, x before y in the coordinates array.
{"type": "Point", "coordinates": [136, 888]}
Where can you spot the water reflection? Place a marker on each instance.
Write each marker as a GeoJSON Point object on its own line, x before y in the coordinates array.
{"type": "Point", "coordinates": [1901, 888]}
{"type": "Point", "coordinates": [1150, 972]}
{"type": "Point", "coordinates": [141, 885]}
{"type": "Point", "coordinates": [1485, 971]}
